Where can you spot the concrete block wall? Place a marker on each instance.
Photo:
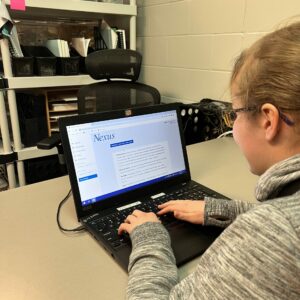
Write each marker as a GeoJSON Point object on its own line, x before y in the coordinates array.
{"type": "Point", "coordinates": [189, 46]}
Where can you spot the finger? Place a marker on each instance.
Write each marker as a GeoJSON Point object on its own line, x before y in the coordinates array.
{"type": "Point", "coordinates": [151, 214]}
{"type": "Point", "coordinates": [124, 227]}
{"type": "Point", "coordinates": [172, 202]}
{"type": "Point", "coordinates": [129, 219]}
{"type": "Point", "coordinates": [166, 210]}
{"type": "Point", "coordinates": [174, 205]}
{"type": "Point", "coordinates": [167, 203]}
{"type": "Point", "coordinates": [137, 212]}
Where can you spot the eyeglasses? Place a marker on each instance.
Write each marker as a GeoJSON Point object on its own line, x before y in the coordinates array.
{"type": "Point", "coordinates": [229, 116]}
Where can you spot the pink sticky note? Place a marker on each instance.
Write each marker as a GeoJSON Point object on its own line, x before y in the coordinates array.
{"type": "Point", "coordinates": [17, 4]}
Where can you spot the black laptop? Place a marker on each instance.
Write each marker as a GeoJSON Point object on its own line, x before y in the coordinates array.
{"type": "Point", "coordinates": [130, 159]}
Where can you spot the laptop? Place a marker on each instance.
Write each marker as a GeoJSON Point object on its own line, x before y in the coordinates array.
{"type": "Point", "coordinates": [130, 159]}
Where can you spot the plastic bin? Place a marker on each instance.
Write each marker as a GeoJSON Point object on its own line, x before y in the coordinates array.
{"type": "Point", "coordinates": [44, 60]}
{"type": "Point", "coordinates": [22, 66]}
{"type": "Point", "coordinates": [68, 65]}
{"type": "Point", "coordinates": [74, 53]}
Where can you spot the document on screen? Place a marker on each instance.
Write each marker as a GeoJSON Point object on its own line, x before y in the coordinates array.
{"type": "Point", "coordinates": [142, 164]}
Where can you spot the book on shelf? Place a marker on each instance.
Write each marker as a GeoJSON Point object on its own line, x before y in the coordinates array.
{"type": "Point", "coordinates": [14, 44]}
{"type": "Point", "coordinates": [63, 106]}
{"type": "Point", "coordinates": [99, 42]}
{"type": "Point", "coordinates": [63, 99]}
{"type": "Point", "coordinates": [121, 38]}
{"type": "Point", "coordinates": [56, 117]}
{"type": "Point", "coordinates": [54, 128]}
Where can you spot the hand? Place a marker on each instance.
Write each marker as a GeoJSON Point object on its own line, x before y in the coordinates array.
{"type": "Point", "coordinates": [135, 219]}
{"type": "Point", "coordinates": [187, 210]}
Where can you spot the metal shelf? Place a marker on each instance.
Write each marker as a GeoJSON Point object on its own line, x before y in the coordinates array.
{"type": "Point", "coordinates": [29, 152]}
{"type": "Point", "coordinates": [34, 152]}
{"type": "Point", "coordinates": [71, 10]}
{"type": "Point", "coordinates": [47, 81]}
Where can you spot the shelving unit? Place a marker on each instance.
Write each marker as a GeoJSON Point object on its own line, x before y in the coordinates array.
{"type": "Point", "coordinates": [51, 10]}
{"type": "Point", "coordinates": [6, 149]}
{"type": "Point", "coordinates": [60, 103]}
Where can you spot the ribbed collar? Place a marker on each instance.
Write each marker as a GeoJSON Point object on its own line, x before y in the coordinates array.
{"type": "Point", "coordinates": [276, 177]}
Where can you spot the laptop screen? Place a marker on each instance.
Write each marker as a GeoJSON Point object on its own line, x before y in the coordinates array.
{"type": "Point", "coordinates": [119, 155]}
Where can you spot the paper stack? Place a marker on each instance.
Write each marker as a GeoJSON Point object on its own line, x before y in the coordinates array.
{"type": "Point", "coordinates": [81, 45]}
{"type": "Point", "coordinates": [59, 48]}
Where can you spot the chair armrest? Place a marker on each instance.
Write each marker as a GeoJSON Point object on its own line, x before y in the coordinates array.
{"type": "Point", "coordinates": [49, 142]}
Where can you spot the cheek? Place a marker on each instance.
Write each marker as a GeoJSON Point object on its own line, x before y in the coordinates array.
{"type": "Point", "coordinates": [247, 141]}
{"type": "Point", "coordinates": [236, 132]}
{"type": "Point", "coordinates": [244, 141]}
{"type": "Point", "coordinates": [242, 133]}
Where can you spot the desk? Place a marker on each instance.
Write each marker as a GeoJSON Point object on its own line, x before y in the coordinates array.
{"type": "Point", "coordinates": [37, 261]}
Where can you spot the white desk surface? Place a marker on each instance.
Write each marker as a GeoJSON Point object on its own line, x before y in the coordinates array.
{"type": "Point", "coordinates": [39, 262]}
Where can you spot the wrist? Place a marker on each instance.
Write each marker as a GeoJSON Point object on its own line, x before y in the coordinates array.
{"type": "Point", "coordinates": [149, 233]}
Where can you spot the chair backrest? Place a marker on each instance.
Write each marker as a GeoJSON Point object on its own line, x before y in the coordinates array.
{"type": "Point", "coordinates": [118, 70]}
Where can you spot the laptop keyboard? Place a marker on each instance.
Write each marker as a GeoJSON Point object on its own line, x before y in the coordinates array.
{"type": "Point", "coordinates": [108, 225]}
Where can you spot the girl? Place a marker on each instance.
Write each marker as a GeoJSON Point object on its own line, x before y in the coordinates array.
{"type": "Point", "coordinates": [258, 254]}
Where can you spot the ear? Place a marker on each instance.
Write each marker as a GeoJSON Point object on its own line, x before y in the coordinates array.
{"type": "Point", "coordinates": [270, 120]}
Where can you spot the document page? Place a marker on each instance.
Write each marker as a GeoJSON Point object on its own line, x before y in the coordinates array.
{"type": "Point", "coordinates": [142, 164]}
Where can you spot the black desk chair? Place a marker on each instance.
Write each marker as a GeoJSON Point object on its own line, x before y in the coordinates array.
{"type": "Point", "coordinates": [118, 70]}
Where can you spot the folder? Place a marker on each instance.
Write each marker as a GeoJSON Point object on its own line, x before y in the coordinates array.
{"type": "Point", "coordinates": [109, 35]}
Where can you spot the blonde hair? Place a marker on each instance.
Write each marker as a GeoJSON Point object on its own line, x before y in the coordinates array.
{"type": "Point", "coordinates": [269, 71]}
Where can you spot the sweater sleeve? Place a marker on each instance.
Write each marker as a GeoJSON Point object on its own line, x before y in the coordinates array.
{"type": "Point", "coordinates": [221, 212]}
{"type": "Point", "coordinates": [152, 268]}
{"type": "Point", "coordinates": [254, 258]}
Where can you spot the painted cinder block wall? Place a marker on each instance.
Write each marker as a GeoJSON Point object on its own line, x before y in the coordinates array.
{"type": "Point", "coordinates": [189, 46]}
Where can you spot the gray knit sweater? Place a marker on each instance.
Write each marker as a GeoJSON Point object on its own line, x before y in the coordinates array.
{"type": "Point", "coordinates": [256, 257]}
